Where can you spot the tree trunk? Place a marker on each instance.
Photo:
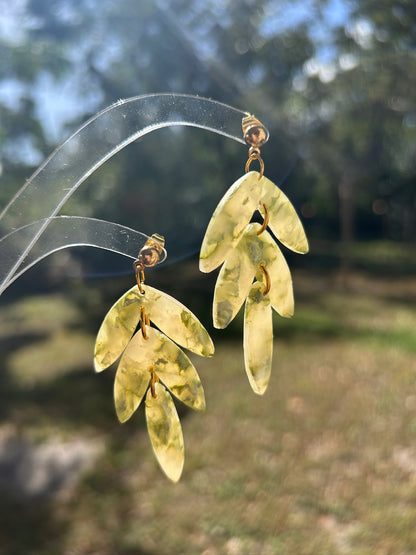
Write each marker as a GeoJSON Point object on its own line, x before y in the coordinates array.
{"type": "Point", "coordinates": [346, 195]}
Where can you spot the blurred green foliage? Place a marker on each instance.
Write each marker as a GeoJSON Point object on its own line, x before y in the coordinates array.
{"type": "Point", "coordinates": [334, 82]}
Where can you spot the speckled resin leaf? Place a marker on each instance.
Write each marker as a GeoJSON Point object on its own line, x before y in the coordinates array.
{"type": "Point", "coordinates": [229, 221]}
{"type": "Point", "coordinates": [165, 432]}
{"type": "Point", "coordinates": [177, 321]}
{"type": "Point", "coordinates": [234, 212]}
{"type": "Point", "coordinates": [236, 277]}
{"type": "Point", "coordinates": [129, 388]}
{"type": "Point", "coordinates": [116, 329]}
{"type": "Point", "coordinates": [281, 291]}
{"type": "Point", "coordinates": [258, 338]}
{"type": "Point", "coordinates": [237, 274]}
{"type": "Point", "coordinates": [168, 314]}
{"type": "Point", "coordinates": [169, 362]}
{"type": "Point", "coordinates": [283, 219]}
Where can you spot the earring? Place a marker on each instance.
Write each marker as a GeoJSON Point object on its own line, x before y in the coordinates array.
{"type": "Point", "coordinates": [152, 366]}
{"type": "Point", "coordinates": [249, 253]}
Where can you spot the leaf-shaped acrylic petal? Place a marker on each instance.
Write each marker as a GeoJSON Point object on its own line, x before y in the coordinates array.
{"type": "Point", "coordinates": [172, 317]}
{"type": "Point", "coordinates": [178, 373]}
{"type": "Point", "coordinates": [129, 388]}
{"type": "Point", "coordinates": [258, 338]}
{"type": "Point", "coordinates": [242, 264]}
{"type": "Point", "coordinates": [281, 291]}
{"type": "Point", "coordinates": [169, 362]}
{"type": "Point", "coordinates": [165, 432]}
{"type": "Point", "coordinates": [177, 321]}
{"type": "Point", "coordinates": [236, 277]}
{"type": "Point", "coordinates": [229, 220]}
{"type": "Point", "coordinates": [117, 328]}
{"type": "Point", "coordinates": [283, 219]}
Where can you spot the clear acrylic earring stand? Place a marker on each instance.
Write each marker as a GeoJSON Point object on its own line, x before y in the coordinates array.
{"type": "Point", "coordinates": [31, 226]}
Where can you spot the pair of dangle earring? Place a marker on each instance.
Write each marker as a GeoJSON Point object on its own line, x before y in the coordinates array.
{"type": "Point", "coordinates": [248, 252]}
{"type": "Point", "coordinates": [254, 271]}
{"type": "Point", "coordinates": [152, 365]}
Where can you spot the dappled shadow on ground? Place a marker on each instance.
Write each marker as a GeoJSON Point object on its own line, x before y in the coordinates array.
{"type": "Point", "coordinates": [37, 525]}
{"type": "Point", "coordinates": [28, 526]}
{"type": "Point", "coordinates": [77, 398]}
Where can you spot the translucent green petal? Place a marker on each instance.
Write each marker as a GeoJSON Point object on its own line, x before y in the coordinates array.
{"type": "Point", "coordinates": [129, 388]}
{"type": "Point", "coordinates": [236, 277]}
{"type": "Point", "coordinates": [258, 338]}
{"type": "Point", "coordinates": [283, 220]}
{"type": "Point", "coordinates": [281, 291]}
{"type": "Point", "coordinates": [234, 212]}
{"type": "Point", "coordinates": [177, 321]}
{"type": "Point", "coordinates": [229, 221]}
{"type": "Point", "coordinates": [117, 328]}
{"type": "Point", "coordinates": [165, 432]}
{"type": "Point", "coordinates": [168, 314]}
{"type": "Point", "coordinates": [168, 361]}
{"type": "Point", "coordinates": [178, 373]}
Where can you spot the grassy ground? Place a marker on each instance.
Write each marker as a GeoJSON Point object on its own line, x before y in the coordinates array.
{"type": "Point", "coordinates": [323, 463]}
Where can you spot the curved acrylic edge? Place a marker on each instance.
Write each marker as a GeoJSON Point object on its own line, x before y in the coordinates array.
{"type": "Point", "coordinates": [97, 140]}
{"type": "Point", "coordinates": [71, 231]}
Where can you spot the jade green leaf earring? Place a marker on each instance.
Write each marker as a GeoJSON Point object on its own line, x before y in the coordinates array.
{"type": "Point", "coordinates": [254, 269]}
{"type": "Point", "coordinates": [152, 365]}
